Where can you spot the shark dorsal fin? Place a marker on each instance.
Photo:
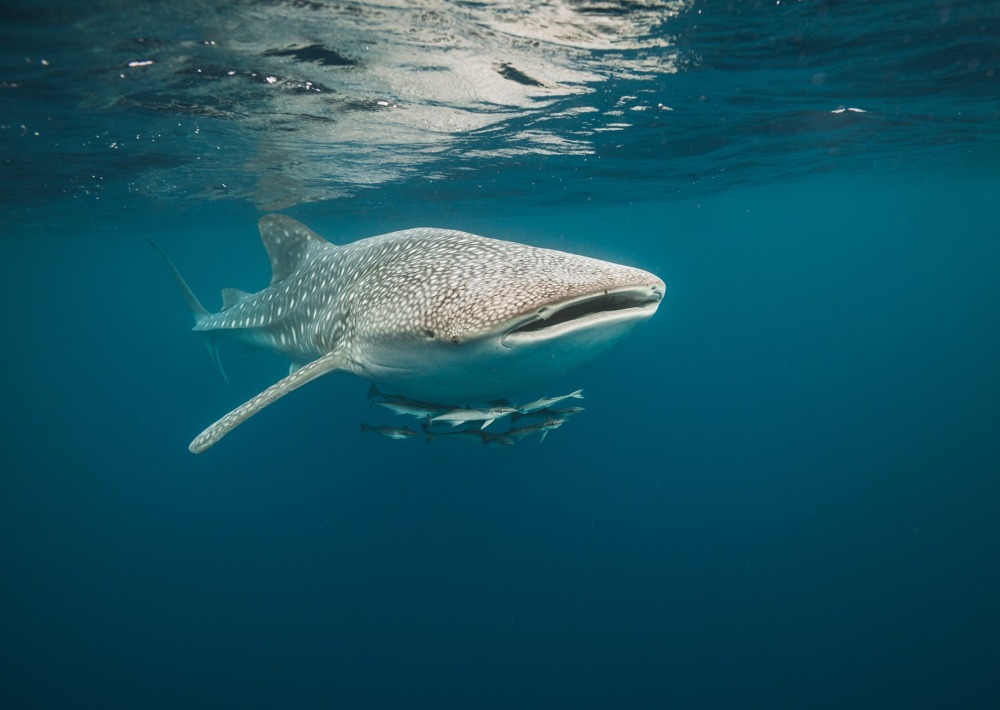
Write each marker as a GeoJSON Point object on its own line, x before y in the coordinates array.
{"type": "Point", "coordinates": [288, 243]}
{"type": "Point", "coordinates": [232, 296]}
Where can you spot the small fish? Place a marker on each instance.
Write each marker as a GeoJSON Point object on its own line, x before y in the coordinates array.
{"type": "Point", "coordinates": [374, 394]}
{"type": "Point", "coordinates": [542, 428]}
{"type": "Point", "coordinates": [548, 402]}
{"type": "Point", "coordinates": [418, 411]}
{"type": "Point", "coordinates": [471, 435]}
{"type": "Point", "coordinates": [499, 439]}
{"type": "Point", "coordinates": [563, 413]}
{"type": "Point", "coordinates": [389, 432]}
{"type": "Point", "coordinates": [468, 434]}
{"type": "Point", "coordinates": [463, 416]}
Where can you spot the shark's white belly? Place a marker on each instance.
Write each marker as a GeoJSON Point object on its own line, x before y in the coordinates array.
{"type": "Point", "coordinates": [481, 371]}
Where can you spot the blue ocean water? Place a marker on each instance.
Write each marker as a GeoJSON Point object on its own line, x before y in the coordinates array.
{"type": "Point", "coordinates": [784, 489]}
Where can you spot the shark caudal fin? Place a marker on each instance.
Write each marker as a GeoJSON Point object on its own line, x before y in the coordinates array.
{"type": "Point", "coordinates": [317, 368]}
{"type": "Point", "coordinates": [199, 311]}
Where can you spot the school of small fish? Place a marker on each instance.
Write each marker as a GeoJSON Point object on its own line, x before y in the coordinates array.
{"type": "Point", "coordinates": [448, 421]}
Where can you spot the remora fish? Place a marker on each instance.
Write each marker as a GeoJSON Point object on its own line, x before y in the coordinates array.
{"type": "Point", "coordinates": [435, 314]}
{"type": "Point", "coordinates": [561, 413]}
{"type": "Point", "coordinates": [465, 434]}
{"type": "Point", "coordinates": [375, 394]}
{"type": "Point", "coordinates": [548, 402]}
{"type": "Point", "coordinates": [464, 416]}
{"type": "Point", "coordinates": [419, 411]}
{"type": "Point", "coordinates": [389, 432]}
{"type": "Point", "coordinates": [542, 428]}
{"type": "Point", "coordinates": [470, 434]}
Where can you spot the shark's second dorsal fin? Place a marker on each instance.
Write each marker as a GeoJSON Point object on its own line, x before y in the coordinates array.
{"type": "Point", "coordinates": [288, 243]}
{"type": "Point", "coordinates": [308, 373]}
{"type": "Point", "coordinates": [232, 296]}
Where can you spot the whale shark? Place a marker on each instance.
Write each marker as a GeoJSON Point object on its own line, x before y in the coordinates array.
{"type": "Point", "coordinates": [436, 315]}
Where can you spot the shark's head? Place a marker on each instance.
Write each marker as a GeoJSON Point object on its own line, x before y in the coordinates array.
{"type": "Point", "coordinates": [481, 318]}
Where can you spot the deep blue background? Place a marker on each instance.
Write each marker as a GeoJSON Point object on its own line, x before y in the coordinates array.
{"type": "Point", "coordinates": [783, 492]}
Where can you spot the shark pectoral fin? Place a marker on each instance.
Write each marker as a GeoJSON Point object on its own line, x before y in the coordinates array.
{"type": "Point", "coordinates": [317, 368]}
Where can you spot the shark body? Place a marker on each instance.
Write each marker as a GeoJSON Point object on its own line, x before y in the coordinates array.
{"type": "Point", "coordinates": [434, 314]}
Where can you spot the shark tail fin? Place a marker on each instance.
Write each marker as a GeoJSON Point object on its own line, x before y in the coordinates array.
{"type": "Point", "coordinates": [199, 311]}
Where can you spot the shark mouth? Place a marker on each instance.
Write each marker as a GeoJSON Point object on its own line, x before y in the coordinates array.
{"type": "Point", "coordinates": [624, 306]}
